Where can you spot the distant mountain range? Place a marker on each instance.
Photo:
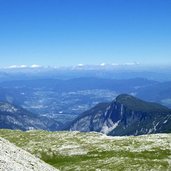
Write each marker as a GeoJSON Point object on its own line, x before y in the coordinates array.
{"type": "Point", "coordinates": [14, 117]}
{"type": "Point", "coordinates": [126, 115]}
{"type": "Point", "coordinates": [17, 91]}
{"type": "Point", "coordinates": [160, 92]}
{"type": "Point", "coordinates": [82, 83]}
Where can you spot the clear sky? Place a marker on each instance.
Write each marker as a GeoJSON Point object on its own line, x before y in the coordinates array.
{"type": "Point", "coordinates": [68, 32]}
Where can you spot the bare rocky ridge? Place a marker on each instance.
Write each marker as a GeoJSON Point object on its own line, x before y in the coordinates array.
{"type": "Point", "coordinates": [15, 117]}
{"type": "Point", "coordinates": [13, 158]}
{"type": "Point", "coordinates": [126, 115]}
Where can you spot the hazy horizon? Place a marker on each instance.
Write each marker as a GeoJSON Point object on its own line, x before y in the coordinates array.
{"type": "Point", "coordinates": [66, 33]}
{"type": "Point", "coordinates": [129, 65]}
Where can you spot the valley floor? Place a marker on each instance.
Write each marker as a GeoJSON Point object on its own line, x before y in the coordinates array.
{"type": "Point", "coordinates": [69, 151]}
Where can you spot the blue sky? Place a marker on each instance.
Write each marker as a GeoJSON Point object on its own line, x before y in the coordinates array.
{"type": "Point", "coordinates": [69, 32]}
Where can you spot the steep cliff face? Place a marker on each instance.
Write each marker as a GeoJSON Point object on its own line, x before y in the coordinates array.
{"type": "Point", "coordinates": [14, 117]}
{"type": "Point", "coordinates": [126, 115]}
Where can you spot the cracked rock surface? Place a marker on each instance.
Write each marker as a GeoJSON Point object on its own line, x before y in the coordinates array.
{"type": "Point", "coordinates": [13, 158]}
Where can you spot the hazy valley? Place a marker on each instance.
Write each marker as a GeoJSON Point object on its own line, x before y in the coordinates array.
{"type": "Point", "coordinates": [94, 116]}
{"type": "Point", "coordinates": [64, 99]}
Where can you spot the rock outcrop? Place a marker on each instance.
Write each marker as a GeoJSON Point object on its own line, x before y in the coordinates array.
{"type": "Point", "coordinates": [13, 158]}
{"type": "Point", "coordinates": [126, 115]}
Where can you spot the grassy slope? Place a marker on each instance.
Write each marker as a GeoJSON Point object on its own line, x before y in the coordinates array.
{"type": "Point", "coordinates": [93, 151]}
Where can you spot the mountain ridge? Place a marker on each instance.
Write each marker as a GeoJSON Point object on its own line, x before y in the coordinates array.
{"type": "Point", "coordinates": [137, 104]}
{"type": "Point", "coordinates": [124, 116]}
{"type": "Point", "coordinates": [15, 117]}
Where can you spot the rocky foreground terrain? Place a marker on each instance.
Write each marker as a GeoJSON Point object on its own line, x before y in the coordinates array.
{"type": "Point", "coordinates": [73, 151]}
{"type": "Point", "coordinates": [13, 158]}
